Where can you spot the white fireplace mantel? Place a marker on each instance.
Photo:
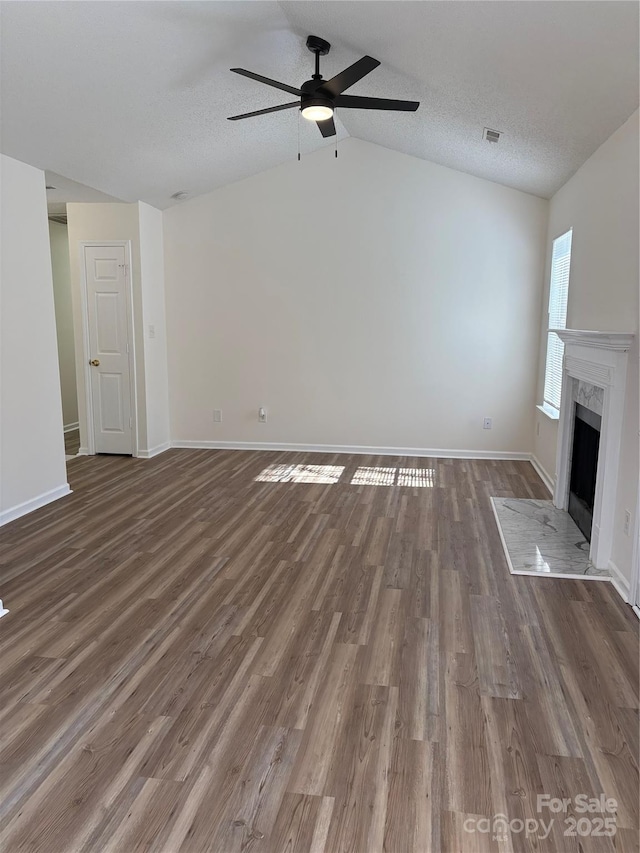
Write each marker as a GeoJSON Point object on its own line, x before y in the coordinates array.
{"type": "Point", "coordinates": [599, 358]}
{"type": "Point", "coordinates": [616, 341]}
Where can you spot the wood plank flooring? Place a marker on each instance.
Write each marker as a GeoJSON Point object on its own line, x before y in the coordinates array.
{"type": "Point", "coordinates": [201, 657]}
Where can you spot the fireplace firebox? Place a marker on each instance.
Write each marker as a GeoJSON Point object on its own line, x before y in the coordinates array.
{"type": "Point", "coordinates": [584, 468]}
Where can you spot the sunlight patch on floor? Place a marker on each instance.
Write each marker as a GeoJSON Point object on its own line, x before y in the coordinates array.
{"type": "Point", "coordinates": [374, 477]}
{"type": "Point", "coordinates": [416, 478]}
{"type": "Point", "coordinates": [300, 474]}
{"type": "Point", "coordinates": [422, 478]}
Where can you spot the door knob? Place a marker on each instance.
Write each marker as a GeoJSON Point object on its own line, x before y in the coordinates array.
{"type": "Point", "coordinates": [95, 362]}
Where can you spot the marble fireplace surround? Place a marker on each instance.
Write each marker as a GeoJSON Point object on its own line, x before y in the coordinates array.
{"type": "Point", "coordinates": [594, 359]}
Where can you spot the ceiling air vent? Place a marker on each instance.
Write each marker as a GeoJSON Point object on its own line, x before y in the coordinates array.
{"type": "Point", "coordinates": [58, 217]}
{"type": "Point", "coordinates": [491, 135]}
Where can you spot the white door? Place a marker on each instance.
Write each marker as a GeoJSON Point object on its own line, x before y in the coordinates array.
{"type": "Point", "coordinates": [109, 350]}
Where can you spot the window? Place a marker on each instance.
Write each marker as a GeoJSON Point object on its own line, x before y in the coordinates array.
{"type": "Point", "coordinates": [558, 294]}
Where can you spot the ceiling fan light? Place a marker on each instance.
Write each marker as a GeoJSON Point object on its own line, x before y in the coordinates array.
{"type": "Point", "coordinates": [317, 112]}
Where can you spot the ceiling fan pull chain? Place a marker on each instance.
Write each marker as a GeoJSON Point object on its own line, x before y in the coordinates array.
{"type": "Point", "coordinates": [335, 112]}
{"type": "Point", "coordinates": [298, 136]}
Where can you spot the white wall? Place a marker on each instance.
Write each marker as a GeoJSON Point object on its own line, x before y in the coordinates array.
{"type": "Point", "coordinates": [600, 203]}
{"type": "Point", "coordinates": [153, 318]}
{"type": "Point", "coordinates": [373, 300]}
{"type": "Point", "coordinates": [59, 240]}
{"type": "Point", "coordinates": [32, 466]}
{"type": "Point", "coordinates": [141, 225]}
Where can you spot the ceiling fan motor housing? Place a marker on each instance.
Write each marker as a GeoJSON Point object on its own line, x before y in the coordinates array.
{"type": "Point", "coordinates": [312, 96]}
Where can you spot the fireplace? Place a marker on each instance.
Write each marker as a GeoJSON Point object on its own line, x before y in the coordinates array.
{"type": "Point", "coordinates": [584, 468]}
{"type": "Point", "coordinates": [594, 379]}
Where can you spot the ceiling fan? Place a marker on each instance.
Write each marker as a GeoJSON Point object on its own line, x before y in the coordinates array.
{"type": "Point", "coordinates": [318, 98]}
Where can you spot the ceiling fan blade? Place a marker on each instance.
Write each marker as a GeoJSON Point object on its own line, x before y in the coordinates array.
{"type": "Point", "coordinates": [267, 80]}
{"type": "Point", "coordinates": [355, 102]}
{"type": "Point", "coordinates": [327, 127]}
{"type": "Point", "coordinates": [288, 106]}
{"type": "Point", "coordinates": [349, 76]}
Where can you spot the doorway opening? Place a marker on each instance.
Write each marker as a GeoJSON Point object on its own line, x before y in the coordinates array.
{"type": "Point", "coordinates": [105, 348]}
{"type": "Point", "coordinates": [61, 271]}
{"type": "Point", "coordinates": [94, 313]}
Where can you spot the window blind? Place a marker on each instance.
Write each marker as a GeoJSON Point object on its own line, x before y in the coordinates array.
{"type": "Point", "coordinates": [558, 297]}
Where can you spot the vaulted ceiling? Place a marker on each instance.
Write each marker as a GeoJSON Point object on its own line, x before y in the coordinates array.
{"type": "Point", "coordinates": [132, 98]}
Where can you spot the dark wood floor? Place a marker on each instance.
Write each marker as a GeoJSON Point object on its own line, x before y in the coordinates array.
{"type": "Point", "coordinates": [201, 658]}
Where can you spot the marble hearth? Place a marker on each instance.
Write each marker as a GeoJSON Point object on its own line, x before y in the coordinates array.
{"type": "Point", "coordinates": [540, 539]}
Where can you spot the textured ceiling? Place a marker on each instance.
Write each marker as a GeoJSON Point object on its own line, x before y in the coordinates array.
{"type": "Point", "coordinates": [64, 190]}
{"type": "Point", "coordinates": [132, 97]}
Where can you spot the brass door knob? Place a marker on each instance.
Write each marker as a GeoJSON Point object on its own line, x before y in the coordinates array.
{"type": "Point", "coordinates": [95, 362]}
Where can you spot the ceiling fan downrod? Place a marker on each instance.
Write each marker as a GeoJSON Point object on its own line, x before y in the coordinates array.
{"type": "Point", "coordinates": [321, 48]}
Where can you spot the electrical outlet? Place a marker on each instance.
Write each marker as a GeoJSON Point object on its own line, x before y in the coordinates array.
{"type": "Point", "coordinates": [262, 415]}
{"type": "Point", "coordinates": [627, 522]}
{"type": "Point", "coordinates": [217, 416]}
{"type": "Point", "coordinates": [487, 423]}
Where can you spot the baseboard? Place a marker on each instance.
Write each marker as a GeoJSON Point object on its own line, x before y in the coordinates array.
{"type": "Point", "coordinates": [622, 585]}
{"type": "Point", "coordinates": [35, 503]}
{"type": "Point", "coordinates": [154, 451]}
{"type": "Point", "coordinates": [546, 478]}
{"type": "Point", "coordinates": [434, 453]}
{"type": "Point", "coordinates": [142, 454]}
{"type": "Point", "coordinates": [71, 427]}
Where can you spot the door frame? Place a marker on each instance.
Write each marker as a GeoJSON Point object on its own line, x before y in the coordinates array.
{"type": "Point", "coordinates": [634, 586]}
{"type": "Point", "coordinates": [84, 300]}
